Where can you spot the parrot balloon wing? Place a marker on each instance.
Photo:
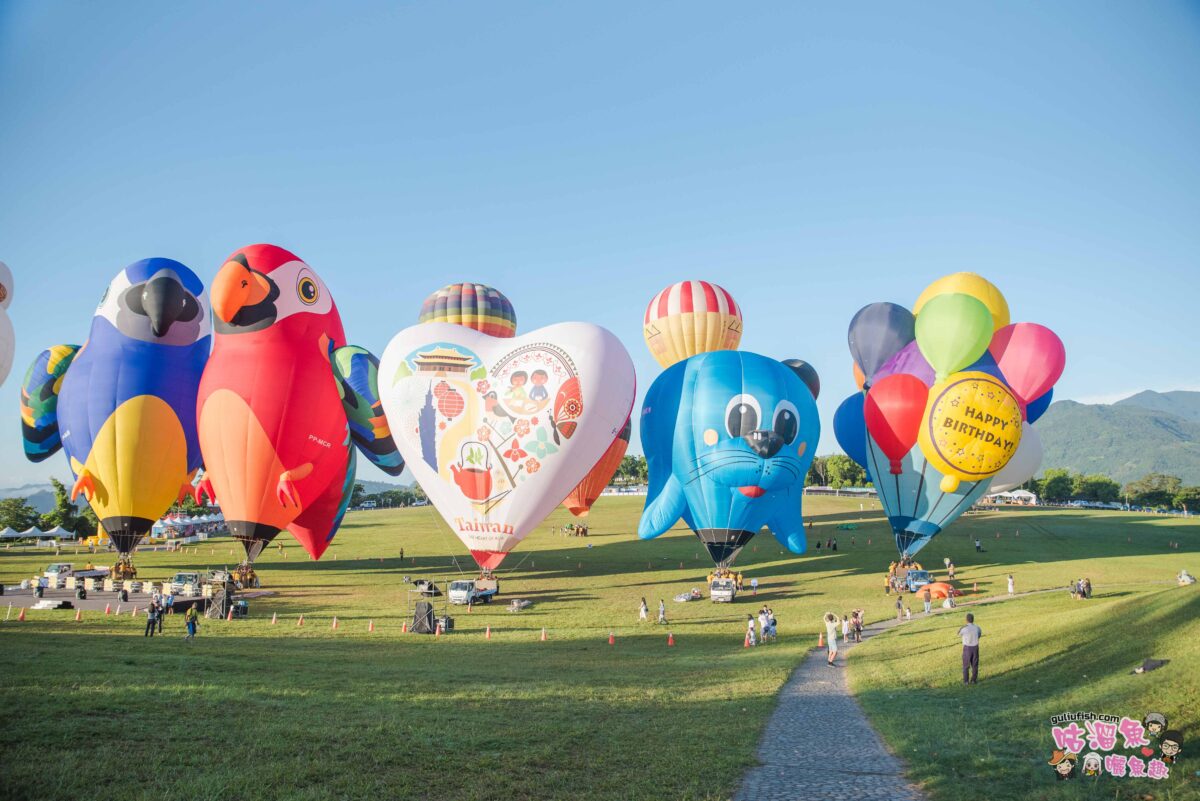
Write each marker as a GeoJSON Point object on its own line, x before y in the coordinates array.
{"type": "Point", "coordinates": [39, 401]}
{"type": "Point", "coordinates": [357, 372]}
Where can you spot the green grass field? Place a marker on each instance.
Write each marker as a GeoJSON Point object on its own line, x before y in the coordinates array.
{"type": "Point", "coordinates": [93, 709]}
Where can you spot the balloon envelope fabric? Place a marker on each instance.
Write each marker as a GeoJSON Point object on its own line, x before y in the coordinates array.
{"type": "Point", "coordinates": [499, 431]}
{"type": "Point", "coordinates": [914, 502]}
{"type": "Point", "coordinates": [729, 437]}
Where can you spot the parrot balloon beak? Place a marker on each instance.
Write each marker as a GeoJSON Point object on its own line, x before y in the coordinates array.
{"type": "Point", "coordinates": [166, 302]}
{"type": "Point", "coordinates": [236, 287]}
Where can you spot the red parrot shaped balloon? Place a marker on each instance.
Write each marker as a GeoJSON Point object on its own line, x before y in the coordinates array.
{"type": "Point", "coordinates": [281, 399]}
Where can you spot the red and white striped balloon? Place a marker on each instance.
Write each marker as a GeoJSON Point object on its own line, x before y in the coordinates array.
{"type": "Point", "coordinates": [691, 317]}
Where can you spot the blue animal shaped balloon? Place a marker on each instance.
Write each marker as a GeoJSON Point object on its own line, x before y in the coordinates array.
{"type": "Point", "coordinates": [729, 437]}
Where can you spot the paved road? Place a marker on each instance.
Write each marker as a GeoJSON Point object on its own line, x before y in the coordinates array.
{"type": "Point", "coordinates": [818, 744]}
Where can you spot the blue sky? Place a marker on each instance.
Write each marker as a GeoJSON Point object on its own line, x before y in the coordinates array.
{"type": "Point", "coordinates": [581, 157]}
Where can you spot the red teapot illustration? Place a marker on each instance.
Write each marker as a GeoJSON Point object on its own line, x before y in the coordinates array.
{"type": "Point", "coordinates": [473, 473]}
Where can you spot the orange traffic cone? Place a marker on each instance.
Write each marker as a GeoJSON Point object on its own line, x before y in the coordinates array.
{"type": "Point", "coordinates": [404, 627]}
{"type": "Point", "coordinates": [118, 612]}
{"type": "Point", "coordinates": [611, 639]}
{"type": "Point", "coordinates": [487, 635]}
{"type": "Point", "coordinates": [334, 626]}
{"type": "Point", "coordinates": [468, 608]}
{"type": "Point", "coordinates": [543, 633]}
{"type": "Point", "coordinates": [746, 642]}
{"type": "Point", "coordinates": [229, 614]}
{"type": "Point", "coordinates": [976, 587]}
{"type": "Point", "coordinates": [21, 615]}
{"type": "Point", "coordinates": [300, 622]}
{"type": "Point", "coordinates": [670, 638]}
{"type": "Point", "coordinates": [274, 618]}
{"type": "Point", "coordinates": [78, 615]}
{"type": "Point", "coordinates": [108, 609]}
{"type": "Point", "coordinates": [370, 627]}
{"type": "Point", "coordinates": [437, 631]}
{"type": "Point", "coordinates": [821, 640]}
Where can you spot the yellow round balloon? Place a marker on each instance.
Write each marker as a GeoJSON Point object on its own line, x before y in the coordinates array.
{"type": "Point", "coordinates": [971, 284]}
{"type": "Point", "coordinates": [972, 427]}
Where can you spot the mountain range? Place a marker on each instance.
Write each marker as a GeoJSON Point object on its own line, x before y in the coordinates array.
{"type": "Point", "coordinates": [1148, 432]}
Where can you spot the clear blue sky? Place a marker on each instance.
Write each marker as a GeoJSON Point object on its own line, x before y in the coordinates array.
{"type": "Point", "coordinates": [579, 158]}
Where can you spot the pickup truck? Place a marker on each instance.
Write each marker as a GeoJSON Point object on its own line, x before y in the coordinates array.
{"type": "Point", "coordinates": [722, 590]}
{"type": "Point", "coordinates": [58, 573]}
{"type": "Point", "coordinates": [182, 581]}
{"type": "Point", "coordinates": [475, 591]}
{"type": "Point", "coordinates": [916, 579]}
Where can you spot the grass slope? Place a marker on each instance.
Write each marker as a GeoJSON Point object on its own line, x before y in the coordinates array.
{"type": "Point", "coordinates": [255, 710]}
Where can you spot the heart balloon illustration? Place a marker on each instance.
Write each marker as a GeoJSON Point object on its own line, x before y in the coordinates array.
{"type": "Point", "coordinates": [527, 419]}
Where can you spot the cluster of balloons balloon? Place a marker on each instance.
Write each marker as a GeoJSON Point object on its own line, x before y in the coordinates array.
{"type": "Point", "coordinates": [500, 428]}
{"type": "Point", "coordinates": [728, 435]}
{"type": "Point", "coordinates": [948, 396]}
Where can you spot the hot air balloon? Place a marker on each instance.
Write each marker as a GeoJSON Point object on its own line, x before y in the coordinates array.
{"type": "Point", "coordinates": [729, 437]}
{"type": "Point", "coordinates": [498, 431]}
{"type": "Point", "coordinates": [475, 306]}
{"type": "Point", "coordinates": [969, 435]}
{"type": "Point", "coordinates": [7, 337]}
{"type": "Point", "coordinates": [580, 501]}
{"type": "Point", "coordinates": [691, 317]}
{"type": "Point", "coordinates": [280, 402]}
{"type": "Point", "coordinates": [123, 406]}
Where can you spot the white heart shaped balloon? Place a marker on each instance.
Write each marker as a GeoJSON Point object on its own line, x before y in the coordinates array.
{"type": "Point", "coordinates": [498, 431]}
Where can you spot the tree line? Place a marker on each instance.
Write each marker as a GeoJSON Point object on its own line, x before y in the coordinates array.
{"type": "Point", "coordinates": [16, 513]}
{"type": "Point", "coordinates": [1155, 490]}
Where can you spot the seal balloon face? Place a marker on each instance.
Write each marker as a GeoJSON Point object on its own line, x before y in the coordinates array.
{"type": "Point", "coordinates": [729, 437]}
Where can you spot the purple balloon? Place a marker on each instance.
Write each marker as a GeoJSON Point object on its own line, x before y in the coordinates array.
{"type": "Point", "coordinates": [908, 360]}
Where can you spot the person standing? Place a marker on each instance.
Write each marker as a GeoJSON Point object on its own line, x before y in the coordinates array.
{"type": "Point", "coordinates": [662, 611]}
{"type": "Point", "coordinates": [1010, 584]}
{"type": "Point", "coordinates": [151, 619]}
{"type": "Point", "coordinates": [831, 622]}
{"type": "Point", "coordinates": [927, 597]}
{"type": "Point", "coordinates": [643, 610]}
{"type": "Point", "coordinates": [970, 634]}
{"type": "Point", "coordinates": [835, 543]}
{"type": "Point", "coordinates": [191, 619]}
{"type": "Point", "coordinates": [845, 628]}
{"type": "Point", "coordinates": [887, 584]}
{"type": "Point", "coordinates": [978, 546]}
{"type": "Point", "coordinates": [899, 608]}
{"type": "Point", "coordinates": [750, 630]}
{"type": "Point", "coordinates": [950, 571]}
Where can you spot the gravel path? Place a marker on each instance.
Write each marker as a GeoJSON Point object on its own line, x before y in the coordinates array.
{"type": "Point", "coordinates": [818, 717]}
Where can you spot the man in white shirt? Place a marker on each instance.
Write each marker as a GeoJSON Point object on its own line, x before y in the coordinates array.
{"type": "Point", "coordinates": [970, 634]}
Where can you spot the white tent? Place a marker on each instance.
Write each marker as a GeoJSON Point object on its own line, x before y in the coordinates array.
{"type": "Point", "coordinates": [10, 533]}
{"type": "Point", "coordinates": [58, 532]}
{"type": "Point", "coordinates": [32, 531]}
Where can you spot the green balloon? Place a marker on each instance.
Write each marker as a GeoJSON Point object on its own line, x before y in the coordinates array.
{"type": "Point", "coordinates": [953, 331]}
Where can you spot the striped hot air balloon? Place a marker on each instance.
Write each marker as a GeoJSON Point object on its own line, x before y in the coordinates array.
{"type": "Point", "coordinates": [691, 317]}
{"type": "Point", "coordinates": [475, 306]}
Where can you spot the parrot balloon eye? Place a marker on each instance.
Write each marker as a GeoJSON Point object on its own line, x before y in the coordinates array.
{"type": "Point", "coordinates": [307, 289]}
{"type": "Point", "coordinates": [742, 415]}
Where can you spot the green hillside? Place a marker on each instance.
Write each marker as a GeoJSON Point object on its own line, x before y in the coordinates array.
{"type": "Point", "coordinates": [1125, 440]}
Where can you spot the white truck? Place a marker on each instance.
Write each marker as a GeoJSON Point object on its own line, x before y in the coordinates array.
{"type": "Point", "coordinates": [468, 591]}
{"type": "Point", "coordinates": [722, 590]}
{"type": "Point", "coordinates": [183, 584]}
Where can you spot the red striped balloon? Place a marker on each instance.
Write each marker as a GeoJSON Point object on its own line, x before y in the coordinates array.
{"type": "Point", "coordinates": [691, 317]}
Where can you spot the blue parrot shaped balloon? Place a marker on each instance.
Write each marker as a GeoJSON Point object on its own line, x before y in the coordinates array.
{"type": "Point", "coordinates": [729, 437]}
{"type": "Point", "coordinates": [123, 406]}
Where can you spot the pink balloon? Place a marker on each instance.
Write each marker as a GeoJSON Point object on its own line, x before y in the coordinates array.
{"type": "Point", "coordinates": [1031, 357]}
